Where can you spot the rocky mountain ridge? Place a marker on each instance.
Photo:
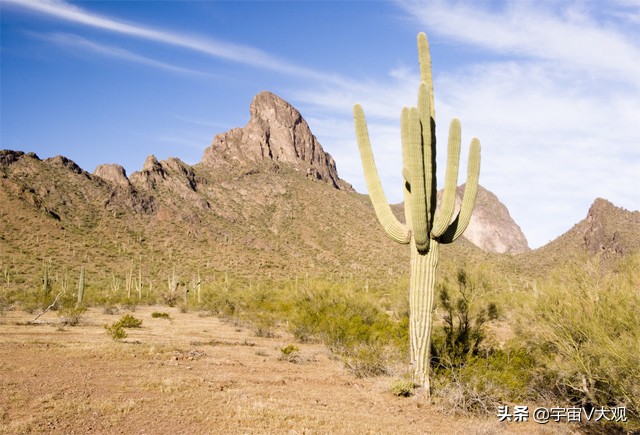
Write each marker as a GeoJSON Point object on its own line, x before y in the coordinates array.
{"type": "Point", "coordinates": [273, 205]}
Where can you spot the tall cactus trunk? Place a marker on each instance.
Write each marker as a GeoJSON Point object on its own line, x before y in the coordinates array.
{"type": "Point", "coordinates": [421, 298]}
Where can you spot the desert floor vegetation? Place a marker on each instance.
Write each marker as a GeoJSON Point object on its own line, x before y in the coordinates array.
{"type": "Point", "coordinates": [311, 353]}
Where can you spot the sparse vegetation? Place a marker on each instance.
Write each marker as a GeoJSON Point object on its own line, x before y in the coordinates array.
{"type": "Point", "coordinates": [117, 329]}
{"type": "Point", "coordinates": [160, 315]}
{"type": "Point", "coordinates": [290, 353]}
{"type": "Point", "coordinates": [586, 335]}
{"type": "Point", "coordinates": [129, 321]}
{"type": "Point", "coordinates": [402, 387]}
{"type": "Point", "coordinates": [517, 333]}
{"type": "Point", "coordinates": [71, 315]}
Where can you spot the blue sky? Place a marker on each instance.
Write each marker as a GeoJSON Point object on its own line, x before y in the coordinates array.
{"type": "Point", "coordinates": [551, 88]}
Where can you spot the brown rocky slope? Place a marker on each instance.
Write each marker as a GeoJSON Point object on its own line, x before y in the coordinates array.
{"type": "Point", "coordinates": [265, 199]}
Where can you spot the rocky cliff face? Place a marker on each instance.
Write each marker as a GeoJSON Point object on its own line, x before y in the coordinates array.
{"type": "Point", "coordinates": [275, 132]}
{"type": "Point", "coordinates": [609, 230]}
{"type": "Point", "coordinates": [492, 228]}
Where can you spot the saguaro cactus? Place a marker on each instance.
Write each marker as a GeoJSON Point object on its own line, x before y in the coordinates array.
{"type": "Point", "coordinates": [80, 288]}
{"type": "Point", "coordinates": [424, 231]}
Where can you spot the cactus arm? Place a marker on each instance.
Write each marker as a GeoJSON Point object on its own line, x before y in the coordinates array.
{"type": "Point", "coordinates": [461, 221]}
{"type": "Point", "coordinates": [406, 165]}
{"type": "Point", "coordinates": [396, 230]}
{"type": "Point", "coordinates": [424, 58]}
{"type": "Point", "coordinates": [429, 151]}
{"type": "Point", "coordinates": [419, 204]}
{"type": "Point", "coordinates": [442, 220]}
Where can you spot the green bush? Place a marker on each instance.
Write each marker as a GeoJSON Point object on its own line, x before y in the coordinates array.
{"type": "Point", "coordinates": [129, 321]}
{"type": "Point", "coordinates": [288, 350]}
{"type": "Point", "coordinates": [350, 325]}
{"type": "Point", "coordinates": [71, 315]}
{"type": "Point", "coordinates": [402, 387]}
{"type": "Point", "coordinates": [585, 333]}
{"type": "Point", "coordinates": [160, 315]}
{"type": "Point", "coordinates": [457, 338]}
{"type": "Point", "coordinates": [116, 331]}
{"type": "Point", "coordinates": [290, 353]}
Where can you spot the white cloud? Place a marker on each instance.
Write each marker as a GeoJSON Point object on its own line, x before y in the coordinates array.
{"type": "Point", "coordinates": [556, 110]}
{"type": "Point", "coordinates": [556, 107]}
{"type": "Point", "coordinates": [559, 121]}
{"type": "Point", "coordinates": [569, 37]}
{"type": "Point", "coordinates": [76, 42]}
{"type": "Point", "coordinates": [233, 52]}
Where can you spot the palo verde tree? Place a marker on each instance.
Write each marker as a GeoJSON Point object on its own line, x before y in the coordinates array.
{"type": "Point", "coordinates": [424, 231]}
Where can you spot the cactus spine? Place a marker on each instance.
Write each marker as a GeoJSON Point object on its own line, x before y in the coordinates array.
{"type": "Point", "coordinates": [424, 231]}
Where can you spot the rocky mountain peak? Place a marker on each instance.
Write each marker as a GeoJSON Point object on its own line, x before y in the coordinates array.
{"type": "Point", "coordinates": [67, 163]}
{"type": "Point", "coordinates": [113, 173]}
{"type": "Point", "coordinates": [276, 132]}
{"type": "Point", "coordinates": [492, 228]}
{"type": "Point", "coordinates": [151, 164]}
{"type": "Point", "coordinates": [597, 236]}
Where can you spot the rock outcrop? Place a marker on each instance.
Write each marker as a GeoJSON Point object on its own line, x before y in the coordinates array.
{"type": "Point", "coordinates": [601, 235]}
{"type": "Point", "coordinates": [276, 131]}
{"type": "Point", "coordinates": [492, 228]}
{"type": "Point", "coordinates": [113, 173]}
{"type": "Point", "coordinates": [172, 175]}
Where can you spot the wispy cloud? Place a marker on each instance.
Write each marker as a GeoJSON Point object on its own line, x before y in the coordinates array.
{"type": "Point", "coordinates": [555, 108]}
{"type": "Point", "coordinates": [77, 42]}
{"type": "Point", "coordinates": [232, 52]}
{"type": "Point", "coordinates": [569, 36]}
{"type": "Point", "coordinates": [558, 122]}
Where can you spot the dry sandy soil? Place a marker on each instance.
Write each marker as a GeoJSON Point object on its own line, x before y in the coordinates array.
{"type": "Point", "coordinates": [193, 374]}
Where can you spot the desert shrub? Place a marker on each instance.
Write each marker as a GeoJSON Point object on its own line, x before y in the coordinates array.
{"type": "Point", "coordinates": [170, 298]}
{"type": "Point", "coordinates": [402, 387]}
{"type": "Point", "coordinates": [485, 381]}
{"type": "Point", "coordinates": [263, 324]}
{"type": "Point", "coordinates": [586, 335]}
{"type": "Point", "coordinates": [71, 315]}
{"type": "Point", "coordinates": [129, 321]}
{"type": "Point", "coordinates": [458, 335]}
{"type": "Point", "coordinates": [290, 353]}
{"type": "Point", "coordinates": [351, 325]}
{"type": "Point", "coordinates": [159, 315]}
{"type": "Point", "coordinates": [289, 349]}
{"type": "Point", "coordinates": [110, 309]}
{"type": "Point", "coordinates": [469, 374]}
{"type": "Point", "coordinates": [116, 331]}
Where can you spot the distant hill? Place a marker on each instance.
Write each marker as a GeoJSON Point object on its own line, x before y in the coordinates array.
{"type": "Point", "coordinates": [266, 200]}
{"type": "Point", "coordinates": [609, 231]}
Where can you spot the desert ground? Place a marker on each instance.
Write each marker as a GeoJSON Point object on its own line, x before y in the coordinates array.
{"type": "Point", "coordinates": [193, 374]}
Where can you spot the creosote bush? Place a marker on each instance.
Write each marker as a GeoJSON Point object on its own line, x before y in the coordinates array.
{"type": "Point", "coordinates": [290, 353]}
{"type": "Point", "coordinates": [460, 335]}
{"type": "Point", "coordinates": [117, 329]}
{"type": "Point", "coordinates": [402, 387]}
{"type": "Point", "coordinates": [352, 326]}
{"type": "Point", "coordinates": [585, 334]}
{"type": "Point", "coordinates": [129, 321]}
{"type": "Point", "coordinates": [71, 316]}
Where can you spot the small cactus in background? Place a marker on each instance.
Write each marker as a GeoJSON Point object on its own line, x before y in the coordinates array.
{"type": "Point", "coordinates": [80, 287]}
{"type": "Point", "coordinates": [424, 231]}
{"type": "Point", "coordinates": [46, 283]}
